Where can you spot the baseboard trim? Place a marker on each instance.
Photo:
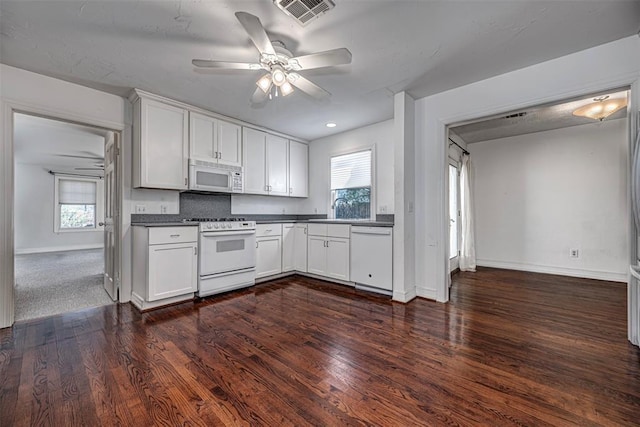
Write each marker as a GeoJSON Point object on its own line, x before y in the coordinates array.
{"type": "Point", "coordinates": [431, 294]}
{"type": "Point", "coordinates": [404, 296]}
{"type": "Point", "coordinates": [561, 271]}
{"type": "Point", "coordinates": [26, 251]}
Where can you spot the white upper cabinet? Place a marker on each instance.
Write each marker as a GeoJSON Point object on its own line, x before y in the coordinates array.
{"type": "Point", "coordinates": [160, 145]}
{"type": "Point", "coordinates": [214, 140]}
{"type": "Point", "coordinates": [255, 165]}
{"type": "Point", "coordinates": [278, 165]}
{"type": "Point", "coordinates": [265, 163]}
{"type": "Point", "coordinates": [298, 169]}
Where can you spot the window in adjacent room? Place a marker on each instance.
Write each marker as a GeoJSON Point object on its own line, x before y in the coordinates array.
{"type": "Point", "coordinates": [77, 203]}
{"type": "Point", "coordinates": [351, 185]}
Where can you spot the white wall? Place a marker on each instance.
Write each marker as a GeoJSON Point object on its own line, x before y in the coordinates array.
{"type": "Point", "coordinates": [34, 215]}
{"type": "Point", "coordinates": [611, 65]}
{"type": "Point", "coordinates": [539, 195]}
{"type": "Point", "coordinates": [379, 135]}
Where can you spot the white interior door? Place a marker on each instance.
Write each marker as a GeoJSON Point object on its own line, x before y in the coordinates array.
{"type": "Point", "coordinates": [111, 209]}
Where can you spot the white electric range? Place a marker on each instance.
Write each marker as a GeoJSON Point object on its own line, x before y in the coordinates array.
{"type": "Point", "coordinates": [226, 254]}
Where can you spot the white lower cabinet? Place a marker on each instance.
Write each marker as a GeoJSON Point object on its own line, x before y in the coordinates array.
{"type": "Point", "coordinates": [165, 265]}
{"type": "Point", "coordinates": [294, 247]}
{"type": "Point", "coordinates": [300, 248]}
{"type": "Point", "coordinates": [328, 250]}
{"type": "Point", "coordinates": [268, 250]}
{"type": "Point", "coordinates": [288, 247]}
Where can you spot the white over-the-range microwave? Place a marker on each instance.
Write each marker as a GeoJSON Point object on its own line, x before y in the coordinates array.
{"type": "Point", "coordinates": [207, 176]}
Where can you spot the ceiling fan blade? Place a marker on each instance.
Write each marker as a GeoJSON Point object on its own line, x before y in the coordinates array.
{"type": "Point", "coordinates": [257, 34]}
{"type": "Point", "coordinates": [259, 96]}
{"type": "Point", "coordinates": [205, 63]}
{"type": "Point", "coordinates": [307, 86]}
{"type": "Point", "coordinates": [81, 157]}
{"type": "Point", "coordinates": [328, 58]}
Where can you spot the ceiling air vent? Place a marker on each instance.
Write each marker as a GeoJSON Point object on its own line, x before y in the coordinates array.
{"type": "Point", "coordinates": [304, 11]}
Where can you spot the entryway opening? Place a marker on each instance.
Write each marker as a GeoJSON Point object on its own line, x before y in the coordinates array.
{"type": "Point", "coordinates": [65, 202]}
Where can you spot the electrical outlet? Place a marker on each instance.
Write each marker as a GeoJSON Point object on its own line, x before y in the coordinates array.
{"type": "Point", "coordinates": [140, 209]}
{"type": "Point", "coordinates": [163, 209]}
{"type": "Point", "coordinates": [574, 253]}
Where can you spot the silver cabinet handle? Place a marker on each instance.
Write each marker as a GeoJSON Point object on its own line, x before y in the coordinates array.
{"type": "Point", "coordinates": [195, 250]}
{"type": "Point", "coordinates": [220, 154]}
{"type": "Point", "coordinates": [266, 188]}
{"type": "Point", "coordinates": [305, 230]}
{"type": "Point", "coordinates": [256, 245]}
{"type": "Point", "coordinates": [174, 235]}
{"type": "Point", "coordinates": [101, 224]}
{"type": "Point", "coordinates": [290, 190]}
{"type": "Point", "coordinates": [185, 181]}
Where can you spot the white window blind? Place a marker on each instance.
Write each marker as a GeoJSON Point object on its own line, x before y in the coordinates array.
{"type": "Point", "coordinates": [351, 170]}
{"type": "Point", "coordinates": [74, 192]}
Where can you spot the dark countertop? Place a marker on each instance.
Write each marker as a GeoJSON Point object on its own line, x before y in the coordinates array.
{"type": "Point", "coordinates": [355, 223]}
{"type": "Point", "coordinates": [166, 224]}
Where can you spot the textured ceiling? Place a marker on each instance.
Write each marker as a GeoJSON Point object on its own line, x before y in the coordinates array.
{"type": "Point", "coordinates": [423, 47]}
{"type": "Point", "coordinates": [533, 119]}
{"type": "Point", "coordinates": [57, 145]}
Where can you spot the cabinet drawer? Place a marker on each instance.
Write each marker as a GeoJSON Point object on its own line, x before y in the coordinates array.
{"type": "Point", "coordinates": [338, 230]}
{"type": "Point", "coordinates": [264, 230]}
{"type": "Point", "coordinates": [317, 229]}
{"type": "Point", "coordinates": [163, 235]}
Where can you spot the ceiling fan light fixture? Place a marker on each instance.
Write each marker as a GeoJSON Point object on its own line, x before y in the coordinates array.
{"type": "Point", "coordinates": [264, 83]}
{"type": "Point", "coordinates": [286, 88]}
{"type": "Point", "coordinates": [278, 75]}
{"type": "Point", "coordinates": [601, 108]}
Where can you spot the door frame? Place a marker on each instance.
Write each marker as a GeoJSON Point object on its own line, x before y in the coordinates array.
{"type": "Point", "coordinates": [633, 124]}
{"type": "Point", "coordinates": [7, 254]}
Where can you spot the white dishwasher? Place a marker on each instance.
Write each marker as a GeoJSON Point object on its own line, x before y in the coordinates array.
{"type": "Point", "coordinates": [372, 258]}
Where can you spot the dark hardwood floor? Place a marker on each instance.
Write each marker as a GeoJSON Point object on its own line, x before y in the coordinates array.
{"type": "Point", "coordinates": [511, 348]}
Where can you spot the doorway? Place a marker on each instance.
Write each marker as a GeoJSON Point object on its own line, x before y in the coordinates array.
{"type": "Point", "coordinates": [65, 201]}
{"type": "Point", "coordinates": [454, 214]}
{"type": "Point", "coordinates": [551, 190]}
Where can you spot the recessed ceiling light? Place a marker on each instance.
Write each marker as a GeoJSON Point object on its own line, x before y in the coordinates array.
{"type": "Point", "coordinates": [331, 125]}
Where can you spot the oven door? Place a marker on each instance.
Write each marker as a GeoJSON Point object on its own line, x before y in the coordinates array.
{"type": "Point", "coordinates": [226, 251]}
{"type": "Point", "coordinates": [210, 179]}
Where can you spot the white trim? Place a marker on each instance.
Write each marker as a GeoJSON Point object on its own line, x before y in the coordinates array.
{"type": "Point", "coordinates": [25, 251]}
{"type": "Point", "coordinates": [405, 296]}
{"type": "Point", "coordinates": [611, 276]}
{"type": "Point", "coordinates": [143, 305]}
{"type": "Point", "coordinates": [431, 294]}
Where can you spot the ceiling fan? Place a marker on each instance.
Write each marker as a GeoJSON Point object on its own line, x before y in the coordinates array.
{"type": "Point", "coordinates": [280, 65]}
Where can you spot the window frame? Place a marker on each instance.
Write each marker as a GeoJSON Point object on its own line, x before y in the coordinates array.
{"type": "Point", "coordinates": [99, 206]}
{"type": "Point", "coordinates": [373, 206]}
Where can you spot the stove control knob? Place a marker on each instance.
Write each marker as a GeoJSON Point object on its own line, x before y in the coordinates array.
{"type": "Point", "coordinates": [209, 226]}
{"type": "Point", "coordinates": [215, 225]}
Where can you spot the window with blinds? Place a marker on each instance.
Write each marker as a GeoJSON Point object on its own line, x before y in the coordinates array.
{"type": "Point", "coordinates": [76, 203]}
{"type": "Point", "coordinates": [351, 179]}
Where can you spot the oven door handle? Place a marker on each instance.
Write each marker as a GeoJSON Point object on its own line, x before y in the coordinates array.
{"type": "Point", "coordinates": [211, 234]}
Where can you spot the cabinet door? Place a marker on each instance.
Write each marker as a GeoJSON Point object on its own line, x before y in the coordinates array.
{"type": "Point", "coordinates": [254, 155]}
{"type": "Point", "coordinates": [268, 256]}
{"type": "Point", "coordinates": [288, 247]}
{"type": "Point", "coordinates": [338, 258]}
{"type": "Point", "coordinates": [163, 146]}
{"type": "Point", "coordinates": [317, 255]}
{"type": "Point", "coordinates": [173, 270]}
{"type": "Point", "coordinates": [277, 165]}
{"type": "Point", "coordinates": [300, 248]}
{"type": "Point", "coordinates": [229, 144]}
{"type": "Point", "coordinates": [202, 131]}
{"type": "Point", "coordinates": [298, 169]}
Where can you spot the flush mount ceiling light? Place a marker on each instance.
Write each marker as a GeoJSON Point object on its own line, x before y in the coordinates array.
{"type": "Point", "coordinates": [602, 108]}
{"type": "Point", "coordinates": [330, 125]}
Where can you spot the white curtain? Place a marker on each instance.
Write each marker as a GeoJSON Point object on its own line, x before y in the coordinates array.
{"type": "Point", "coordinates": [467, 240]}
